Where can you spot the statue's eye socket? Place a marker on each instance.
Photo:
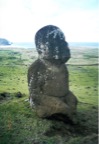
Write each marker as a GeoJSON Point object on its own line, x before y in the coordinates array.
{"type": "Point", "coordinates": [44, 49]}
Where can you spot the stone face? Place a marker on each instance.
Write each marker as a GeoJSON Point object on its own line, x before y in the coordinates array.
{"type": "Point", "coordinates": [48, 76]}
{"type": "Point", "coordinates": [51, 44]}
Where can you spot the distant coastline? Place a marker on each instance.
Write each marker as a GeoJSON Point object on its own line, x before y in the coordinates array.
{"type": "Point", "coordinates": [71, 44]}
{"type": "Point", "coordinates": [84, 44]}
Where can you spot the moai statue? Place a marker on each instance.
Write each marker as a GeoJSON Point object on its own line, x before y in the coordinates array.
{"type": "Point", "coordinates": [48, 77]}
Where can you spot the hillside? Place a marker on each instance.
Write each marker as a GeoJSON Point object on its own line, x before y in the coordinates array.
{"type": "Point", "coordinates": [19, 124]}
{"type": "Point", "coordinates": [4, 41]}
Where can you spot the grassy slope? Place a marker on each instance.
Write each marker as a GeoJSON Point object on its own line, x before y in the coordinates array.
{"type": "Point", "coordinates": [19, 123]}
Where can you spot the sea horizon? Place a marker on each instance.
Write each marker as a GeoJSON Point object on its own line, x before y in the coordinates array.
{"type": "Point", "coordinates": [70, 44]}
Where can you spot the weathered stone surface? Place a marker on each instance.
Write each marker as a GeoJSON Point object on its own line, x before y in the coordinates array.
{"type": "Point", "coordinates": [48, 76]}
{"type": "Point", "coordinates": [51, 44]}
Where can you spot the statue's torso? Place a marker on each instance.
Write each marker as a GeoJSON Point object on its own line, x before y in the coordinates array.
{"type": "Point", "coordinates": [56, 81]}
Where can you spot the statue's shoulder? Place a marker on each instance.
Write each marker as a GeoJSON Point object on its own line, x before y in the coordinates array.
{"type": "Point", "coordinates": [37, 65]}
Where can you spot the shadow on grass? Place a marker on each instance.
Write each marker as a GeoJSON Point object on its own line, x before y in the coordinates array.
{"type": "Point", "coordinates": [20, 124]}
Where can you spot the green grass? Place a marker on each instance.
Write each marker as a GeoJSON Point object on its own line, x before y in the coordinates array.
{"type": "Point", "coordinates": [19, 124]}
{"type": "Point", "coordinates": [84, 82]}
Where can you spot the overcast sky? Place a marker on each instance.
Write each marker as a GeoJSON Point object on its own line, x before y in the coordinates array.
{"type": "Point", "coordinates": [78, 19]}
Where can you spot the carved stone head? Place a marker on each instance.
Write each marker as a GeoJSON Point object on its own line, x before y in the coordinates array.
{"type": "Point", "coordinates": [51, 45]}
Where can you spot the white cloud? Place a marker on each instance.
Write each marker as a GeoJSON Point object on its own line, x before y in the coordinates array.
{"type": "Point", "coordinates": [79, 25]}
{"type": "Point", "coordinates": [20, 19]}
{"type": "Point", "coordinates": [16, 22]}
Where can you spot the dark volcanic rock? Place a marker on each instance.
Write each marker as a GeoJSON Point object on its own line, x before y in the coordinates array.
{"type": "Point", "coordinates": [18, 94]}
{"type": "Point", "coordinates": [48, 78]}
{"type": "Point", "coordinates": [4, 95]}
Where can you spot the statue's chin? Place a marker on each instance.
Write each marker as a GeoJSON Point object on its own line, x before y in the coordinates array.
{"type": "Point", "coordinates": [56, 61]}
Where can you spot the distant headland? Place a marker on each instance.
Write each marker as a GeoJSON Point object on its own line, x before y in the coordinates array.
{"type": "Point", "coordinates": [4, 41]}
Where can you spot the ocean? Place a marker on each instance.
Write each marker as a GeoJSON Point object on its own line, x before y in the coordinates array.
{"type": "Point", "coordinates": [71, 44]}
